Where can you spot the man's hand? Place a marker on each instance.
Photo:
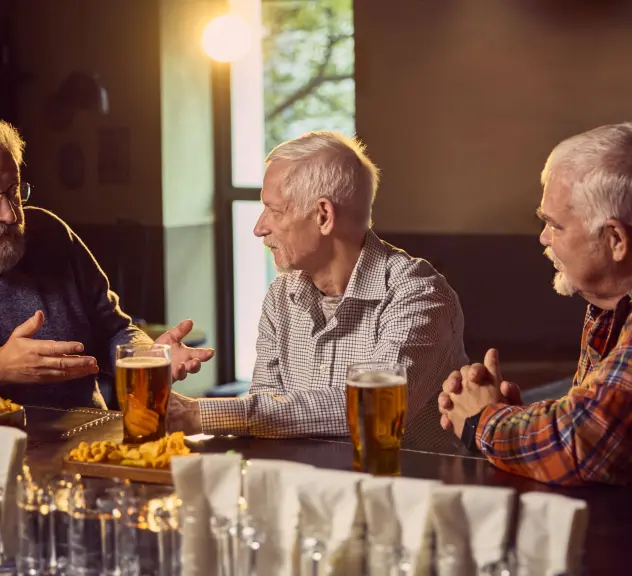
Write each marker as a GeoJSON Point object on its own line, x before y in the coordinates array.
{"type": "Point", "coordinates": [138, 419]}
{"type": "Point", "coordinates": [183, 415]}
{"type": "Point", "coordinates": [25, 360]}
{"type": "Point", "coordinates": [476, 386]}
{"type": "Point", "coordinates": [184, 360]}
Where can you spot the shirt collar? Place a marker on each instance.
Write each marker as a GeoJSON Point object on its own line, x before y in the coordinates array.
{"type": "Point", "coordinates": [368, 279]}
{"type": "Point", "coordinates": [594, 312]}
{"type": "Point", "coordinates": [367, 282]}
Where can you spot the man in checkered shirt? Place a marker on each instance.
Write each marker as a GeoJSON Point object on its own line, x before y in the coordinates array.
{"type": "Point", "coordinates": [344, 296]}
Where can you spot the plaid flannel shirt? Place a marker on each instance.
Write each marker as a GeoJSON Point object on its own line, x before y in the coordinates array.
{"type": "Point", "coordinates": [586, 436]}
{"type": "Point", "coordinates": [394, 309]}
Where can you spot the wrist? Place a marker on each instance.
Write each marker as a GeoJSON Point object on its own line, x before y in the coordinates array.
{"type": "Point", "coordinates": [197, 417]}
{"type": "Point", "coordinates": [4, 372]}
{"type": "Point", "coordinates": [469, 434]}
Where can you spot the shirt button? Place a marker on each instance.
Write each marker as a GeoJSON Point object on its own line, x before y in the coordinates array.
{"type": "Point", "coordinates": [324, 367]}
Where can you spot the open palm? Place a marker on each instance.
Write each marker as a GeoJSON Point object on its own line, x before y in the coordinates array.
{"type": "Point", "coordinates": [184, 360]}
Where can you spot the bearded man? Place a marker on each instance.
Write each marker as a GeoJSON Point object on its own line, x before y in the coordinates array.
{"type": "Point", "coordinates": [59, 321]}
{"type": "Point", "coordinates": [586, 436]}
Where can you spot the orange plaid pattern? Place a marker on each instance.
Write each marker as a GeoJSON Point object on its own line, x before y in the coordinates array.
{"type": "Point", "coordinates": [586, 436]}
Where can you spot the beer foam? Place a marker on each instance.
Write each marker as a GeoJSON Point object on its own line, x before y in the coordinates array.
{"type": "Point", "coordinates": [142, 362]}
{"type": "Point", "coordinates": [376, 380]}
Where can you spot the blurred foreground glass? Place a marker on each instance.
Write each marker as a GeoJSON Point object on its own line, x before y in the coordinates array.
{"type": "Point", "coordinates": [236, 545]}
{"type": "Point", "coordinates": [143, 385]}
{"type": "Point", "coordinates": [377, 400]}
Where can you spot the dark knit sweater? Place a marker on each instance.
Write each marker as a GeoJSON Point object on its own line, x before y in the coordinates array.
{"type": "Point", "coordinates": [59, 276]}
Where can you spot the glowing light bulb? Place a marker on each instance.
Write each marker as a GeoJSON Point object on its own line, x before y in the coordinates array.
{"type": "Point", "coordinates": [227, 38]}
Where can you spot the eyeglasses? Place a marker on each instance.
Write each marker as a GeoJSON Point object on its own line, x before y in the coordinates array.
{"type": "Point", "coordinates": [15, 191]}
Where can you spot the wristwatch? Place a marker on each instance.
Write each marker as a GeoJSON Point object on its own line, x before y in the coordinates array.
{"type": "Point", "coordinates": [468, 437]}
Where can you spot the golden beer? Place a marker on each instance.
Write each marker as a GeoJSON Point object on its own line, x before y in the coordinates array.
{"type": "Point", "coordinates": [143, 385]}
{"type": "Point", "coordinates": [376, 412]}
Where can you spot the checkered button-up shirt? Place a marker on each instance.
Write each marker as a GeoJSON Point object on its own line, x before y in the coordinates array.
{"type": "Point", "coordinates": [394, 309]}
{"type": "Point", "coordinates": [586, 436]}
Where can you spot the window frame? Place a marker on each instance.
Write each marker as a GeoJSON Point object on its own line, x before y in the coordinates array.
{"type": "Point", "coordinates": [225, 195]}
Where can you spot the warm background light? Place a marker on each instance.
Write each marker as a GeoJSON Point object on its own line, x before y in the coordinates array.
{"type": "Point", "coordinates": [227, 38]}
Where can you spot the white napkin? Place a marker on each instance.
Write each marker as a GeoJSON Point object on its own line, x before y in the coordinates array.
{"type": "Point", "coordinates": [12, 449]}
{"type": "Point", "coordinates": [471, 525]}
{"type": "Point", "coordinates": [222, 481]}
{"type": "Point", "coordinates": [398, 517]}
{"type": "Point", "coordinates": [330, 511]}
{"type": "Point", "coordinates": [198, 493]}
{"type": "Point", "coordinates": [551, 534]}
{"type": "Point", "coordinates": [270, 488]}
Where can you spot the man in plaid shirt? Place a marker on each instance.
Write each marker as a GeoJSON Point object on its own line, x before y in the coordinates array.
{"type": "Point", "coordinates": [344, 297]}
{"type": "Point", "coordinates": [586, 436]}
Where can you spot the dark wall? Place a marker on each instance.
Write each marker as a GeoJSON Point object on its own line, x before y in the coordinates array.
{"type": "Point", "coordinates": [460, 103]}
{"type": "Point", "coordinates": [101, 173]}
{"type": "Point", "coordinates": [132, 256]}
{"type": "Point", "coordinates": [505, 288]}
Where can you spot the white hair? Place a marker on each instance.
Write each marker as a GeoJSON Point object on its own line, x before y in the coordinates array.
{"type": "Point", "coordinates": [598, 166]}
{"type": "Point", "coordinates": [329, 165]}
{"type": "Point", "coordinates": [11, 140]}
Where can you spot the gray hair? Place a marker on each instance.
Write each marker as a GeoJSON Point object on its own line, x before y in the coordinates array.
{"type": "Point", "coordinates": [598, 166]}
{"type": "Point", "coordinates": [329, 165]}
{"type": "Point", "coordinates": [11, 140]}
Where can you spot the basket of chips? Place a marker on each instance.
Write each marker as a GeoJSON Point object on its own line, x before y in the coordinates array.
{"type": "Point", "coordinates": [147, 462]}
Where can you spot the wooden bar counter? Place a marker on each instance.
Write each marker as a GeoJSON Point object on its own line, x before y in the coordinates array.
{"type": "Point", "coordinates": [53, 432]}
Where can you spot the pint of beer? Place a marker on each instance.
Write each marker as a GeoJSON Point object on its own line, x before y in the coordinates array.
{"type": "Point", "coordinates": [377, 399]}
{"type": "Point", "coordinates": [143, 385]}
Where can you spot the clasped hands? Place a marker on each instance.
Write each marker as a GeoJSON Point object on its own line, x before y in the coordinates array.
{"type": "Point", "coordinates": [470, 390]}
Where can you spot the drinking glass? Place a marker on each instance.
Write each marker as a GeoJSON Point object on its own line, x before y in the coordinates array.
{"type": "Point", "coordinates": [143, 386]}
{"type": "Point", "coordinates": [148, 529]}
{"type": "Point", "coordinates": [29, 554]}
{"type": "Point", "coordinates": [377, 400]}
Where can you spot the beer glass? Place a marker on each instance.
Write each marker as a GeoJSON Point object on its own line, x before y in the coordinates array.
{"type": "Point", "coordinates": [143, 385]}
{"type": "Point", "coordinates": [377, 399]}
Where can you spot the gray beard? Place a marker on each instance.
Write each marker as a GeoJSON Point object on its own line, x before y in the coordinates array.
{"type": "Point", "coordinates": [12, 247]}
{"type": "Point", "coordinates": [562, 286]}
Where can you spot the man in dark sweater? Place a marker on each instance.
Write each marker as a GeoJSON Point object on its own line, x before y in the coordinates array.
{"type": "Point", "coordinates": [59, 321]}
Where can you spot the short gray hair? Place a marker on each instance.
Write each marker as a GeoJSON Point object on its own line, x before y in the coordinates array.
{"type": "Point", "coordinates": [329, 165]}
{"type": "Point", "coordinates": [598, 166]}
{"type": "Point", "coordinates": [11, 140]}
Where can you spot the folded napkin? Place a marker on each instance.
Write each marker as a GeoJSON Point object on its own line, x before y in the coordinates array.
{"type": "Point", "coordinates": [471, 525]}
{"type": "Point", "coordinates": [12, 449]}
{"type": "Point", "coordinates": [270, 489]}
{"type": "Point", "coordinates": [551, 533]}
{"type": "Point", "coordinates": [398, 523]}
{"type": "Point", "coordinates": [331, 516]}
{"type": "Point", "coordinates": [206, 484]}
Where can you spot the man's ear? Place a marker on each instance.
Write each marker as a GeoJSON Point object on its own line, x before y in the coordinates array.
{"type": "Point", "coordinates": [325, 216]}
{"type": "Point", "coordinates": [618, 238]}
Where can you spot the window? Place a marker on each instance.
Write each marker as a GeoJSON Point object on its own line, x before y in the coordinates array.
{"type": "Point", "coordinates": [298, 77]}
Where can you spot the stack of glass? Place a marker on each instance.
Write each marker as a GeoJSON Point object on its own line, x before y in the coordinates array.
{"type": "Point", "coordinates": [70, 527]}
{"type": "Point", "coordinates": [101, 528]}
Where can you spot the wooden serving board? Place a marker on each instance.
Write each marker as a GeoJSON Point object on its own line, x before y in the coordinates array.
{"type": "Point", "coordinates": [133, 473]}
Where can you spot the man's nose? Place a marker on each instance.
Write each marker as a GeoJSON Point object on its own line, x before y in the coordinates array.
{"type": "Point", "coordinates": [8, 213]}
{"type": "Point", "coordinates": [260, 228]}
{"type": "Point", "coordinates": [545, 236]}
